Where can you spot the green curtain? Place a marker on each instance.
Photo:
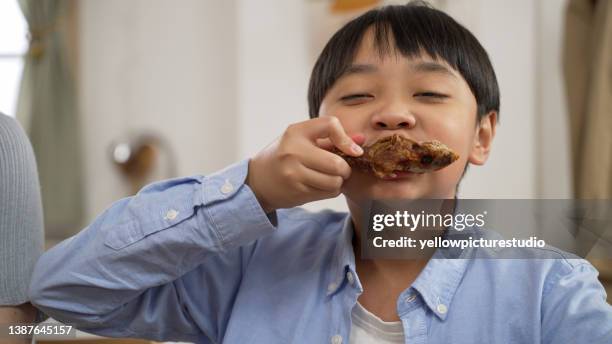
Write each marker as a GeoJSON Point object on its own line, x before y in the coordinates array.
{"type": "Point", "coordinates": [588, 75]}
{"type": "Point", "coordinates": [47, 109]}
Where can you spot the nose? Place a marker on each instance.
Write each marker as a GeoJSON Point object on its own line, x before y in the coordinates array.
{"type": "Point", "coordinates": [393, 117]}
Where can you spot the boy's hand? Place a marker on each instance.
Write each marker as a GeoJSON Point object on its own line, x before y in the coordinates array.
{"type": "Point", "coordinates": [294, 169]}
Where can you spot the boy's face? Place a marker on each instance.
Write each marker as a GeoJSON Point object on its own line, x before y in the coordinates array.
{"type": "Point", "coordinates": [420, 98]}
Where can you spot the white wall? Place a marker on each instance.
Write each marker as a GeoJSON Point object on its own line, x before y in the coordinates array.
{"type": "Point", "coordinates": [273, 70]}
{"type": "Point", "coordinates": [552, 132]}
{"type": "Point", "coordinates": [153, 65]}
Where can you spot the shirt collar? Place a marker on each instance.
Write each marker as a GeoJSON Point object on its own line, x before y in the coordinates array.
{"type": "Point", "coordinates": [439, 280]}
{"type": "Point", "coordinates": [436, 284]}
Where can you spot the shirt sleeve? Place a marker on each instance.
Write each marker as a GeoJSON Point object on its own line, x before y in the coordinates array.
{"type": "Point", "coordinates": [122, 275]}
{"type": "Point", "coordinates": [574, 307]}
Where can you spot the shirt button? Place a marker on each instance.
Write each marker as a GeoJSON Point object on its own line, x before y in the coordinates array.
{"type": "Point", "coordinates": [410, 298]}
{"type": "Point", "coordinates": [336, 339]}
{"type": "Point", "coordinates": [171, 214]}
{"type": "Point", "coordinates": [442, 308]}
{"type": "Point", "coordinates": [331, 287]}
{"type": "Point", "coordinates": [350, 277]}
{"type": "Point", "coordinates": [227, 187]}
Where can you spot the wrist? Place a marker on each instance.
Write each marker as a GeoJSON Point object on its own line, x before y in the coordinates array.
{"type": "Point", "coordinates": [250, 182]}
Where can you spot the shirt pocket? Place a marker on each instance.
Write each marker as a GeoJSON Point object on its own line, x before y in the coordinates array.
{"type": "Point", "coordinates": [139, 226]}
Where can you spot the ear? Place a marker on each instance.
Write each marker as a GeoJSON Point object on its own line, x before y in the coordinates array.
{"type": "Point", "coordinates": [483, 139]}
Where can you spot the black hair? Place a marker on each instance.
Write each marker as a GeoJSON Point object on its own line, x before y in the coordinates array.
{"type": "Point", "coordinates": [416, 28]}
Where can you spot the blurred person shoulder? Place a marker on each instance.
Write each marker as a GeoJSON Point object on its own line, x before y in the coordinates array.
{"type": "Point", "coordinates": [21, 226]}
{"type": "Point", "coordinates": [15, 146]}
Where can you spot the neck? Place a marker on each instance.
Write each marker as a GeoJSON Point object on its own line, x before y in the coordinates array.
{"type": "Point", "coordinates": [394, 271]}
{"type": "Point", "coordinates": [383, 280]}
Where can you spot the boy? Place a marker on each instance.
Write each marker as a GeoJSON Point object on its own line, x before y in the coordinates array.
{"type": "Point", "coordinates": [222, 258]}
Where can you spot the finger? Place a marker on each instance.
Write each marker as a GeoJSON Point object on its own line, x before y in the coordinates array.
{"type": "Point", "coordinates": [330, 127]}
{"type": "Point", "coordinates": [321, 181]}
{"type": "Point", "coordinates": [315, 194]}
{"type": "Point", "coordinates": [311, 194]}
{"type": "Point", "coordinates": [327, 144]}
{"type": "Point", "coordinates": [325, 162]}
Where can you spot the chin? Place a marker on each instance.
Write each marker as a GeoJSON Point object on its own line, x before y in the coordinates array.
{"type": "Point", "coordinates": [364, 189]}
{"type": "Point", "coordinates": [397, 190]}
{"type": "Point", "coordinates": [413, 186]}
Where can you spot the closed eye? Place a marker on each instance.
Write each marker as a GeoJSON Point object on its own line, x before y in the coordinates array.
{"type": "Point", "coordinates": [431, 95]}
{"type": "Point", "coordinates": [356, 96]}
{"type": "Point", "coordinates": [356, 99]}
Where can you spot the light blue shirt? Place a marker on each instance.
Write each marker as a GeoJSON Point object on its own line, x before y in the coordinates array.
{"type": "Point", "coordinates": [197, 259]}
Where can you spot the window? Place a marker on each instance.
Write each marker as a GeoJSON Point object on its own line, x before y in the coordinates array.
{"type": "Point", "coordinates": [13, 45]}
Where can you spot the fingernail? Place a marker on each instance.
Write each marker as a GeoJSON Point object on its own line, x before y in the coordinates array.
{"type": "Point", "coordinates": [356, 148]}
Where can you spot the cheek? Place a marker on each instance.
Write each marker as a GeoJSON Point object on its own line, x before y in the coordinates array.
{"type": "Point", "coordinates": [455, 128]}
{"type": "Point", "coordinates": [451, 174]}
{"type": "Point", "coordinates": [459, 140]}
{"type": "Point", "coordinates": [352, 120]}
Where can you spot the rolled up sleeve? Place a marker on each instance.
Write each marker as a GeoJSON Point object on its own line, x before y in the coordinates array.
{"type": "Point", "coordinates": [120, 276]}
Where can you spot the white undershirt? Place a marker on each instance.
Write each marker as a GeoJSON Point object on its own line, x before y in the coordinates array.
{"type": "Point", "coordinates": [367, 328]}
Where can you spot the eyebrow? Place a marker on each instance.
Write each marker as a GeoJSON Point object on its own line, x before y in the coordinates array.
{"type": "Point", "coordinates": [359, 69]}
{"type": "Point", "coordinates": [432, 67]}
{"type": "Point", "coordinates": [421, 67]}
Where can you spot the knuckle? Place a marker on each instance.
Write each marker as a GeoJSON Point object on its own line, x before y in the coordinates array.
{"type": "Point", "coordinates": [347, 172]}
{"type": "Point", "coordinates": [285, 154]}
{"type": "Point", "coordinates": [291, 129]}
{"type": "Point", "coordinates": [339, 166]}
{"type": "Point", "coordinates": [335, 193]}
{"type": "Point", "coordinates": [337, 183]}
{"type": "Point", "coordinates": [333, 120]}
{"type": "Point", "coordinates": [284, 140]}
{"type": "Point", "coordinates": [288, 173]}
{"type": "Point", "coordinates": [302, 189]}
